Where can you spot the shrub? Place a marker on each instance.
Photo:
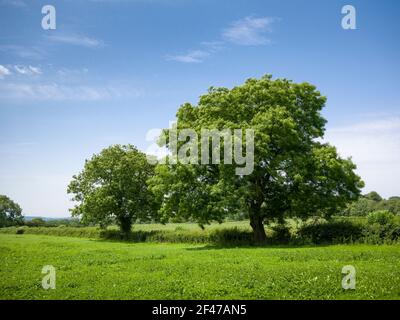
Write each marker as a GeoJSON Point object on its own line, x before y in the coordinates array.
{"type": "Point", "coordinates": [281, 233]}
{"type": "Point", "coordinates": [232, 236]}
{"type": "Point", "coordinates": [312, 232]}
{"type": "Point", "coordinates": [330, 232]}
{"type": "Point", "coordinates": [382, 227]}
{"type": "Point", "coordinates": [379, 234]}
{"type": "Point", "coordinates": [381, 217]}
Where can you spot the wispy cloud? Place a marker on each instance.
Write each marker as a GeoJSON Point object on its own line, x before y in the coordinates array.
{"type": "Point", "coordinates": [4, 71]}
{"type": "Point", "coordinates": [67, 73]}
{"type": "Point", "coordinates": [165, 2]}
{"type": "Point", "coordinates": [194, 56]}
{"type": "Point", "coordinates": [24, 52]}
{"type": "Point", "coordinates": [213, 46]}
{"type": "Point", "coordinates": [378, 125]}
{"type": "Point", "coordinates": [27, 70]}
{"type": "Point", "coordinates": [250, 31]}
{"type": "Point", "coordinates": [19, 69]}
{"type": "Point", "coordinates": [61, 92]}
{"type": "Point", "coordinates": [374, 146]}
{"type": "Point", "coordinates": [14, 3]}
{"type": "Point", "coordinates": [77, 40]}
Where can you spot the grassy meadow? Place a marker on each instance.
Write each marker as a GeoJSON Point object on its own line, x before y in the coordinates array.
{"type": "Point", "coordinates": [100, 269]}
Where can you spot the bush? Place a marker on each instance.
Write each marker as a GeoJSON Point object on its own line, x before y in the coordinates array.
{"type": "Point", "coordinates": [318, 231]}
{"type": "Point", "coordinates": [381, 217]}
{"type": "Point", "coordinates": [370, 203]}
{"type": "Point", "coordinates": [379, 234]}
{"type": "Point", "coordinates": [330, 232]}
{"type": "Point", "coordinates": [381, 228]}
{"type": "Point", "coordinates": [231, 236]}
{"type": "Point", "coordinates": [281, 233]}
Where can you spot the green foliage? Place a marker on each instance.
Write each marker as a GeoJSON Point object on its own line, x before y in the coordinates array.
{"type": "Point", "coordinates": [65, 222]}
{"type": "Point", "coordinates": [39, 222]}
{"type": "Point", "coordinates": [330, 232]}
{"type": "Point", "coordinates": [362, 207]}
{"type": "Point", "coordinates": [382, 227]}
{"type": "Point", "coordinates": [381, 233]}
{"type": "Point", "coordinates": [94, 270]}
{"type": "Point", "coordinates": [392, 205]}
{"type": "Point", "coordinates": [112, 187]}
{"type": "Point", "coordinates": [372, 202]}
{"type": "Point", "coordinates": [374, 196]}
{"type": "Point", "coordinates": [313, 231]}
{"type": "Point", "coordinates": [36, 222]}
{"type": "Point", "coordinates": [84, 232]}
{"type": "Point", "coordinates": [381, 217]}
{"type": "Point", "coordinates": [10, 212]}
{"type": "Point", "coordinates": [281, 233]}
{"type": "Point", "coordinates": [294, 174]}
{"type": "Point", "coordinates": [229, 236]}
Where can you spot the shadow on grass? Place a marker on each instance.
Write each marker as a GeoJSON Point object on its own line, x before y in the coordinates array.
{"type": "Point", "coordinates": [133, 236]}
{"type": "Point", "coordinates": [255, 246]}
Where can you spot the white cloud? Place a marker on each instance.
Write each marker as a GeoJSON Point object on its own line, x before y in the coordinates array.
{"type": "Point", "coordinates": [195, 56]}
{"type": "Point", "coordinates": [15, 3]}
{"type": "Point", "coordinates": [4, 72]}
{"type": "Point", "coordinates": [68, 73]}
{"type": "Point", "coordinates": [249, 31]}
{"type": "Point", "coordinates": [213, 46]}
{"type": "Point", "coordinates": [27, 70]}
{"type": "Point", "coordinates": [375, 148]}
{"type": "Point", "coordinates": [77, 40]}
{"type": "Point", "coordinates": [23, 51]}
{"type": "Point", "coordinates": [58, 92]}
{"type": "Point", "coordinates": [380, 125]}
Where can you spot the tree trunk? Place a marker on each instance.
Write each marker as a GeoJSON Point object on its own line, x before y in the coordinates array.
{"type": "Point", "coordinates": [125, 225]}
{"type": "Point", "coordinates": [256, 223]}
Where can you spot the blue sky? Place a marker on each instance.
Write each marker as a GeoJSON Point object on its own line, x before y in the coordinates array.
{"type": "Point", "coordinates": [113, 70]}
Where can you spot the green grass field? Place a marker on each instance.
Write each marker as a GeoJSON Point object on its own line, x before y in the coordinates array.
{"type": "Point", "coordinates": [98, 269]}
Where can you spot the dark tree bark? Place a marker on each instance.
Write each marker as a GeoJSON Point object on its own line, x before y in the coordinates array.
{"type": "Point", "coordinates": [125, 224]}
{"type": "Point", "coordinates": [256, 223]}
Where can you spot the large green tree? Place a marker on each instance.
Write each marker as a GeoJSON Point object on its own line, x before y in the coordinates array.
{"type": "Point", "coordinates": [10, 212]}
{"type": "Point", "coordinates": [112, 187]}
{"type": "Point", "coordinates": [295, 173]}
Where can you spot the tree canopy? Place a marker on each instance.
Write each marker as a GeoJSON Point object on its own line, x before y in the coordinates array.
{"type": "Point", "coordinates": [112, 188]}
{"type": "Point", "coordinates": [371, 202]}
{"type": "Point", "coordinates": [374, 196]}
{"type": "Point", "coordinates": [10, 212]}
{"type": "Point", "coordinates": [295, 174]}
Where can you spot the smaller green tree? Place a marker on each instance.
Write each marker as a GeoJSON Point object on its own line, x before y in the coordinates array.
{"type": "Point", "coordinates": [36, 222]}
{"type": "Point", "coordinates": [10, 212]}
{"type": "Point", "coordinates": [372, 202]}
{"type": "Point", "coordinates": [373, 195]}
{"type": "Point", "coordinates": [362, 207]}
{"type": "Point", "coordinates": [392, 204]}
{"type": "Point", "coordinates": [112, 187]}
